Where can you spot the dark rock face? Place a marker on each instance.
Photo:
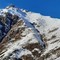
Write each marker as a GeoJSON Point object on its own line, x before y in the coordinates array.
{"type": "Point", "coordinates": [6, 24]}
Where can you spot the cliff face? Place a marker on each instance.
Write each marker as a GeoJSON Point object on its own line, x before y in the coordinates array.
{"type": "Point", "coordinates": [6, 22]}
{"type": "Point", "coordinates": [28, 36]}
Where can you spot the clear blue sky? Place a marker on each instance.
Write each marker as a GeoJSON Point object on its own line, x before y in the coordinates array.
{"type": "Point", "coordinates": [45, 7]}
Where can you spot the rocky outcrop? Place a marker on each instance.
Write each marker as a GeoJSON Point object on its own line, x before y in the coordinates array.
{"type": "Point", "coordinates": [6, 23]}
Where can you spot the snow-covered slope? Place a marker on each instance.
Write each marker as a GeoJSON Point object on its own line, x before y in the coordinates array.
{"type": "Point", "coordinates": [32, 37]}
{"type": "Point", "coordinates": [49, 28]}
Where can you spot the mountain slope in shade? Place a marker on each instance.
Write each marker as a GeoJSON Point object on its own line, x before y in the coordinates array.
{"type": "Point", "coordinates": [31, 37]}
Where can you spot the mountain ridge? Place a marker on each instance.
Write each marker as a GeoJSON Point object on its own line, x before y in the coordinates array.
{"type": "Point", "coordinates": [31, 36]}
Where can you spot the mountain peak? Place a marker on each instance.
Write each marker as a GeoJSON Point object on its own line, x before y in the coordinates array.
{"type": "Point", "coordinates": [28, 36]}
{"type": "Point", "coordinates": [11, 5]}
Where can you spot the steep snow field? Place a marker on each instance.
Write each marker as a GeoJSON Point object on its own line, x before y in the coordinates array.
{"type": "Point", "coordinates": [39, 39]}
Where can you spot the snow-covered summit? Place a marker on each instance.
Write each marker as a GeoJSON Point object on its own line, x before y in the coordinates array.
{"type": "Point", "coordinates": [28, 35]}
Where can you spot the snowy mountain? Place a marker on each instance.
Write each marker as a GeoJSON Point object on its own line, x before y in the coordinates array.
{"type": "Point", "coordinates": [27, 35]}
